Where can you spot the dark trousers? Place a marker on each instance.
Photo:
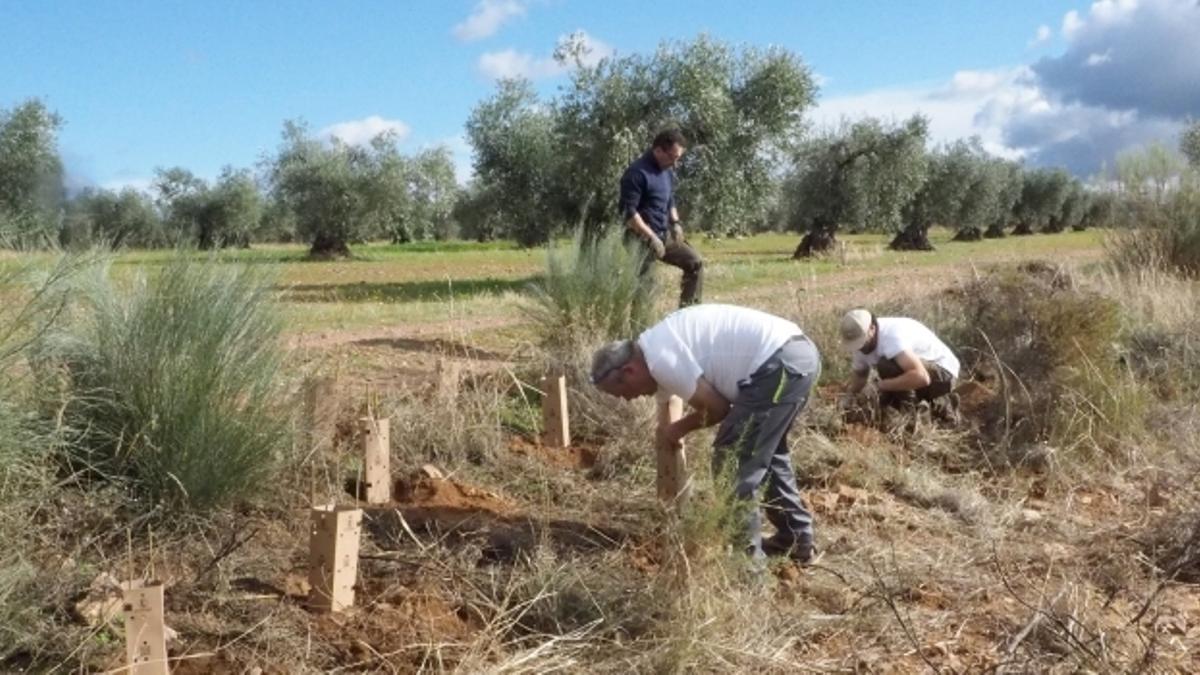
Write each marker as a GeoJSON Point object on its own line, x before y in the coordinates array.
{"type": "Point", "coordinates": [754, 434]}
{"type": "Point", "coordinates": [678, 254]}
{"type": "Point", "coordinates": [941, 383]}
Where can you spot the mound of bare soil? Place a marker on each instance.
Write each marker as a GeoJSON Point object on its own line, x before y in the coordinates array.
{"type": "Point", "coordinates": [426, 492]}
{"type": "Point", "coordinates": [577, 456]}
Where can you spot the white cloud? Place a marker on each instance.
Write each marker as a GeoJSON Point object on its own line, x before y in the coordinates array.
{"type": "Point", "coordinates": [1071, 24]}
{"type": "Point", "coordinates": [360, 132]}
{"type": "Point", "coordinates": [971, 103]}
{"type": "Point", "coordinates": [1042, 36]}
{"type": "Point", "coordinates": [1128, 76]}
{"type": "Point", "coordinates": [512, 64]}
{"type": "Point", "coordinates": [487, 18]}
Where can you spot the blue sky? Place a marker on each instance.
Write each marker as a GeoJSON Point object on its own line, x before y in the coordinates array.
{"type": "Point", "coordinates": [145, 84]}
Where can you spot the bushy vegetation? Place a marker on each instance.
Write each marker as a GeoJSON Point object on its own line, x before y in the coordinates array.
{"type": "Point", "coordinates": [1052, 349]}
{"type": "Point", "coordinates": [1166, 238]}
{"type": "Point", "coordinates": [169, 383]}
{"type": "Point", "coordinates": [593, 290]}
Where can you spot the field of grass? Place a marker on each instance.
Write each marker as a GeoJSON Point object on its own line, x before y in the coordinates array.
{"type": "Point", "coordinates": [387, 285]}
{"type": "Point", "coordinates": [988, 548]}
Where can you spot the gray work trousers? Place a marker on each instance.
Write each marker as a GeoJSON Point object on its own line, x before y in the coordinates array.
{"type": "Point", "coordinates": [754, 434]}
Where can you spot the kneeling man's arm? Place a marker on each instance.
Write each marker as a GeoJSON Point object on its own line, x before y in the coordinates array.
{"type": "Point", "coordinates": [708, 408]}
{"type": "Point", "coordinates": [914, 376]}
{"type": "Point", "coordinates": [858, 380]}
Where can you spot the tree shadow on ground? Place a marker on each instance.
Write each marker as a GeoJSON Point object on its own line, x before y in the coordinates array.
{"type": "Point", "coordinates": [403, 291]}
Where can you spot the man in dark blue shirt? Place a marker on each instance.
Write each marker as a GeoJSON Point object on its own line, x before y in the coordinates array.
{"type": "Point", "coordinates": [648, 207]}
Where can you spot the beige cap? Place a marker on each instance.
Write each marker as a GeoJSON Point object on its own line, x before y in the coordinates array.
{"type": "Point", "coordinates": [855, 325]}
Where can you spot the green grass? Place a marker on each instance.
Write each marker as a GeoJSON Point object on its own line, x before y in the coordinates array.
{"type": "Point", "coordinates": [171, 382]}
{"type": "Point", "coordinates": [387, 285]}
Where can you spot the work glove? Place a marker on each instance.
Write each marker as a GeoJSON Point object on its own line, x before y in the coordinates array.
{"type": "Point", "coordinates": [660, 249]}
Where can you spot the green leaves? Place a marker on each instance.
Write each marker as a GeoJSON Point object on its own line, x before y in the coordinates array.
{"type": "Point", "coordinates": [859, 177]}
{"type": "Point", "coordinates": [31, 188]}
{"type": "Point", "coordinates": [549, 166]}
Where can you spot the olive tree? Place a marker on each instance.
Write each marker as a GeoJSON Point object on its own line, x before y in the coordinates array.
{"type": "Point", "coordinates": [1012, 182]}
{"type": "Point", "coordinates": [117, 219]}
{"type": "Point", "coordinates": [860, 177]}
{"type": "Point", "coordinates": [519, 160]}
{"type": "Point", "coordinates": [739, 108]}
{"type": "Point", "coordinates": [1189, 144]}
{"type": "Point", "coordinates": [1101, 210]}
{"type": "Point", "coordinates": [1070, 214]}
{"type": "Point", "coordinates": [1043, 192]}
{"type": "Point", "coordinates": [31, 185]}
{"type": "Point", "coordinates": [434, 191]}
{"type": "Point", "coordinates": [224, 214]}
{"type": "Point", "coordinates": [325, 187]}
{"type": "Point", "coordinates": [982, 204]}
{"type": "Point", "coordinates": [951, 173]}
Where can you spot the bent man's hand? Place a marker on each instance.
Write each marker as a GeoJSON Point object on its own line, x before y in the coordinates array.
{"type": "Point", "coordinates": [668, 437]}
{"type": "Point", "coordinates": [677, 229]}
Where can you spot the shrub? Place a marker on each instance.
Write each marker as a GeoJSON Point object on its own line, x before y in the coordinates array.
{"type": "Point", "coordinates": [30, 298]}
{"type": "Point", "coordinates": [1167, 238]}
{"type": "Point", "coordinates": [1052, 348]}
{"type": "Point", "coordinates": [593, 292]}
{"type": "Point", "coordinates": [170, 382]}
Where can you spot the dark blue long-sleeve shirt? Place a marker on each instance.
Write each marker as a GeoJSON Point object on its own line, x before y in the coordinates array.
{"type": "Point", "coordinates": [648, 190]}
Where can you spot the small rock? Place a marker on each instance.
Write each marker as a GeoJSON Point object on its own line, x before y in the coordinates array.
{"type": "Point", "coordinates": [1029, 518]}
{"type": "Point", "coordinates": [431, 471]}
{"type": "Point", "coordinates": [103, 601]}
{"type": "Point", "coordinates": [296, 586]}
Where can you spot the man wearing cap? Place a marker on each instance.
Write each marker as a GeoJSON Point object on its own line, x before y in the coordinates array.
{"type": "Point", "coordinates": [746, 370]}
{"type": "Point", "coordinates": [648, 209]}
{"type": "Point", "coordinates": [912, 363]}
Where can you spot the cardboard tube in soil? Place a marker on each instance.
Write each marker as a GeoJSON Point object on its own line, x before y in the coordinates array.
{"type": "Point", "coordinates": [145, 633]}
{"type": "Point", "coordinates": [333, 557]}
{"type": "Point", "coordinates": [556, 425]}
{"type": "Point", "coordinates": [377, 459]}
{"type": "Point", "coordinates": [672, 483]}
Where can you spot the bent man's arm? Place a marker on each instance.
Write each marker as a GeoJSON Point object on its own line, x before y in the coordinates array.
{"type": "Point", "coordinates": [709, 407]}
{"type": "Point", "coordinates": [914, 376]}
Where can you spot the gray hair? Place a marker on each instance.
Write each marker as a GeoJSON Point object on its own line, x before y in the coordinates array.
{"type": "Point", "coordinates": [610, 357]}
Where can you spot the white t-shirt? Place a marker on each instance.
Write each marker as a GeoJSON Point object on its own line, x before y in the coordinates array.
{"type": "Point", "coordinates": [897, 334]}
{"type": "Point", "coordinates": [723, 343]}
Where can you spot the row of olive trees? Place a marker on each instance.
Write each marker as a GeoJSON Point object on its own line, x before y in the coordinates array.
{"type": "Point", "coordinates": [323, 192]}
{"type": "Point", "coordinates": [875, 177]}
{"type": "Point", "coordinates": [545, 166]}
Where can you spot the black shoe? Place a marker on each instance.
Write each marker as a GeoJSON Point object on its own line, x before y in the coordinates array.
{"type": "Point", "coordinates": [799, 552]}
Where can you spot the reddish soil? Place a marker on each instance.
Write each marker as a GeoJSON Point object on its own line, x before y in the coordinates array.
{"type": "Point", "coordinates": [451, 495]}
{"type": "Point", "coordinates": [577, 456]}
{"type": "Point", "coordinates": [974, 398]}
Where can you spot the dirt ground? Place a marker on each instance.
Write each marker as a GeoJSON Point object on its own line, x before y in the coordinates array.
{"type": "Point", "coordinates": [907, 582]}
